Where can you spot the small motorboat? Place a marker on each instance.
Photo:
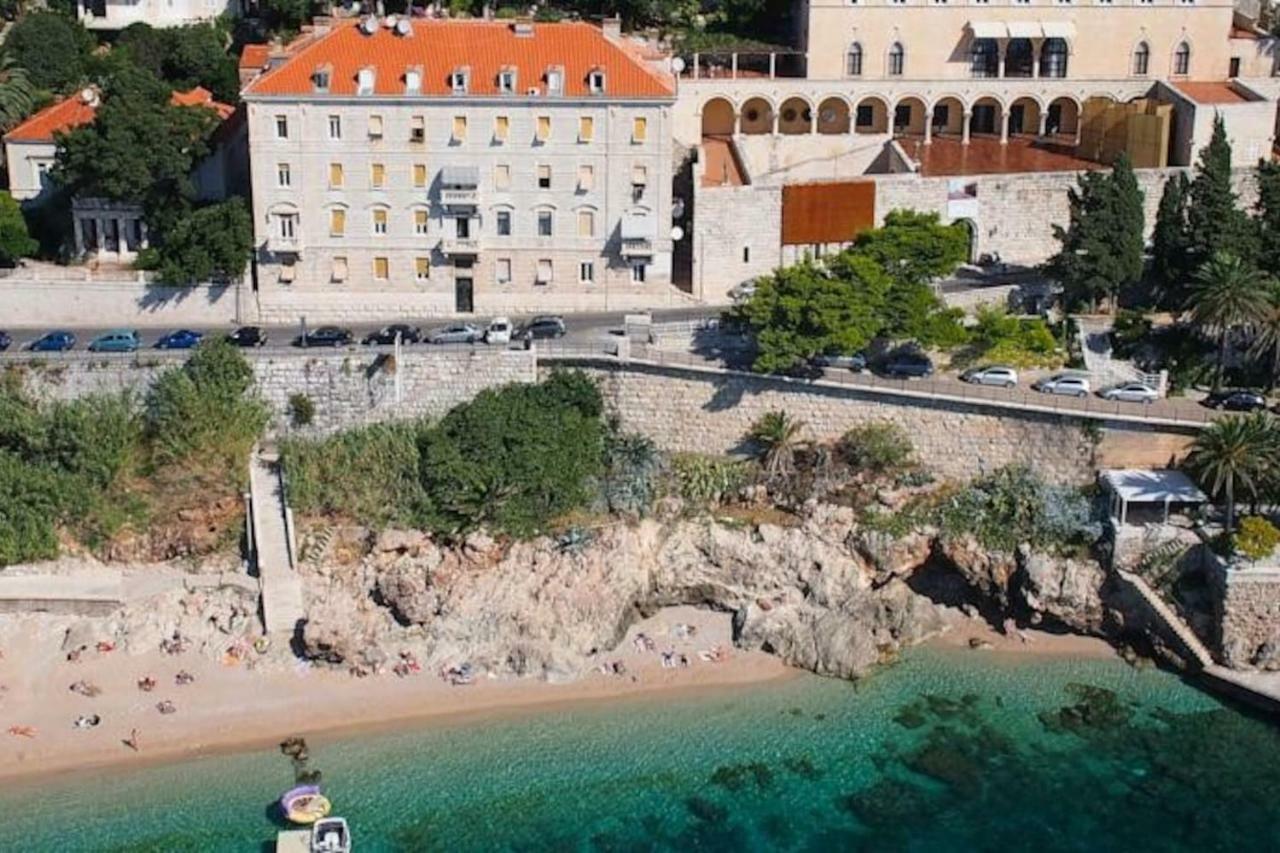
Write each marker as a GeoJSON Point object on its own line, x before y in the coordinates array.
{"type": "Point", "coordinates": [330, 835]}
{"type": "Point", "coordinates": [304, 804]}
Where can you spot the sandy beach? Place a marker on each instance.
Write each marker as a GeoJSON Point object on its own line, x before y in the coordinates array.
{"type": "Point", "coordinates": [229, 708]}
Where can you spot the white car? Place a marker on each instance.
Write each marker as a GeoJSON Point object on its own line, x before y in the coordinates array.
{"type": "Point", "coordinates": [1066, 384]}
{"type": "Point", "coordinates": [498, 332]}
{"type": "Point", "coordinates": [1132, 392]}
{"type": "Point", "coordinates": [743, 291]}
{"type": "Point", "coordinates": [1005, 377]}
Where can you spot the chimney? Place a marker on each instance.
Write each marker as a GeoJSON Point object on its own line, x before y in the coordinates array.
{"type": "Point", "coordinates": [611, 27]}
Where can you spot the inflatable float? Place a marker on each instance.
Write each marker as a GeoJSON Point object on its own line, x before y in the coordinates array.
{"type": "Point", "coordinates": [304, 804]}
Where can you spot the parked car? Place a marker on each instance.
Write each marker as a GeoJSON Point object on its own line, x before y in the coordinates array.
{"type": "Point", "coordinates": [499, 331]}
{"type": "Point", "coordinates": [181, 339]}
{"type": "Point", "coordinates": [1238, 400]}
{"type": "Point", "coordinates": [325, 336]}
{"type": "Point", "coordinates": [53, 342]}
{"type": "Point", "coordinates": [743, 291]}
{"type": "Point", "coordinates": [856, 362]}
{"type": "Point", "coordinates": [387, 334]}
{"type": "Point", "coordinates": [248, 336]}
{"type": "Point", "coordinates": [1064, 384]}
{"type": "Point", "coordinates": [117, 340]}
{"type": "Point", "coordinates": [5, 341]}
{"type": "Point", "coordinates": [541, 328]}
{"type": "Point", "coordinates": [458, 333]}
{"type": "Point", "coordinates": [908, 365]}
{"type": "Point", "coordinates": [1005, 377]}
{"type": "Point", "coordinates": [1132, 392]}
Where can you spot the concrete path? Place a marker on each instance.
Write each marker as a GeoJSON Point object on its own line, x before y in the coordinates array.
{"type": "Point", "coordinates": [96, 594]}
{"type": "Point", "coordinates": [282, 606]}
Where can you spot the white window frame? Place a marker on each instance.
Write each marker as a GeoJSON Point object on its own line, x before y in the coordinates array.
{"type": "Point", "coordinates": [335, 127]}
{"type": "Point", "coordinates": [501, 275]}
{"type": "Point", "coordinates": [547, 218]}
{"type": "Point", "coordinates": [284, 175]}
{"type": "Point", "coordinates": [586, 272]}
{"type": "Point", "coordinates": [282, 126]}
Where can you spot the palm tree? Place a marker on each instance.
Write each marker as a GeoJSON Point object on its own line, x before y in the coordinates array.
{"type": "Point", "coordinates": [1266, 341]}
{"type": "Point", "coordinates": [1233, 454]}
{"type": "Point", "coordinates": [17, 94]}
{"type": "Point", "coordinates": [1226, 294]}
{"type": "Point", "coordinates": [777, 434]}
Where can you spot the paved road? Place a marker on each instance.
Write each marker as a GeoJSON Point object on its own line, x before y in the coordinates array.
{"type": "Point", "coordinates": [582, 328]}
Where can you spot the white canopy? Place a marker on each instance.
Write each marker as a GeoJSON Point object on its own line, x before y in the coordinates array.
{"type": "Point", "coordinates": [460, 176]}
{"type": "Point", "coordinates": [1136, 485]}
{"type": "Point", "coordinates": [1025, 30]}
{"type": "Point", "coordinates": [1058, 29]}
{"type": "Point", "coordinates": [988, 29]}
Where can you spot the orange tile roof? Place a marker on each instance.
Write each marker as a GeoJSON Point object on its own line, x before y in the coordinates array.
{"type": "Point", "coordinates": [1212, 92]}
{"type": "Point", "coordinates": [254, 56]}
{"type": "Point", "coordinates": [833, 212]}
{"type": "Point", "coordinates": [485, 47]}
{"type": "Point", "coordinates": [1242, 33]}
{"type": "Point", "coordinates": [73, 112]}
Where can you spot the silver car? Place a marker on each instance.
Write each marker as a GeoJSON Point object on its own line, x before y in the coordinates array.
{"type": "Point", "coordinates": [1132, 392]}
{"type": "Point", "coordinates": [1005, 377]}
{"type": "Point", "coordinates": [1066, 384]}
{"type": "Point", "coordinates": [459, 333]}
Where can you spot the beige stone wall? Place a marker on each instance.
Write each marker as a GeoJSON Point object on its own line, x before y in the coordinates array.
{"type": "Point", "coordinates": [936, 36]}
{"type": "Point", "coordinates": [1249, 617]}
{"type": "Point", "coordinates": [737, 236]}
{"type": "Point", "coordinates": [684, 411]}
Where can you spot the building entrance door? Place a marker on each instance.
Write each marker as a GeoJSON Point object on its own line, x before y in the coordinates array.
{"type": "Point", "coordinates": [463, 295]}
{"type": "Point", "coordinates": [1017, 114]}
{"type": "Point", "coordinates": [984, 119]}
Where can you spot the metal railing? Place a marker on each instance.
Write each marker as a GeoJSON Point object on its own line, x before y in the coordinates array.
{"type": "Point", "coordinates": [1179, 413]}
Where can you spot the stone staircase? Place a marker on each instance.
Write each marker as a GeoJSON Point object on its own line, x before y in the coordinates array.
{"type": "Point", "coordinates": [1172, 622]}
{"type": "Point", "coordinates": [1094, 335]}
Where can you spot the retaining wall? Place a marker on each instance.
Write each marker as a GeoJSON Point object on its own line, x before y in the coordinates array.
{"type": "Point", "coordinates": [1249, 617]}
{"type": "Point", "coordinates": [37, 303]}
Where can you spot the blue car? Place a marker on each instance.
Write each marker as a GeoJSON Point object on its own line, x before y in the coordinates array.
{"type": "Point", "coordinates": [5, 340]}
{"type": "Point", "coordinates": [53, 342]}
{"type": "Point", "coordinates": [119, 340]}
{"type": "Point", "coordinates": [181, 339]}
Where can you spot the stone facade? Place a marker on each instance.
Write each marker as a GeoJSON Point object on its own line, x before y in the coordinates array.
{"type": "Point", "coordinates": [706, 413]}
{"type": "Point", "coordinates": [347, 389]}
{"type": "Point", "coordinates": [1249, 617]}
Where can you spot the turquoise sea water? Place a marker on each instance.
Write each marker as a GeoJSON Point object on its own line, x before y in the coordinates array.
{"type": "Point", "coordinates": [946, 751]}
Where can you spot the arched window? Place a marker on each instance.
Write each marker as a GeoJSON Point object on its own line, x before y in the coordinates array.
{"type": "Point", "coordinates": [853, 66]}
{"type": "Point", "coordinates": [1053, 58]}
{"type": "Point", "coordinates": [897, 59]}
{"type": "Point", "coordinates": [1141, 59]}
{"type": "Point", "coordinates": [1182, 59]}
{"type": "Point", "coordinates": [984, 58]}
{"type": "Point", "coordinates": [1019, 58]}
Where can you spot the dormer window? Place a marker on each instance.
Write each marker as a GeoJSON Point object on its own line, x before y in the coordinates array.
{"type": "Point", "coordinates": [413, 81]}
{"type": "Point", "coordinates": [365, 81]}
{"type": "Point", "coordinates": [458, 81]}
{"type": "Point", "coordinates": [595, 82]}
{"type": "Point", "coordinates": [321, 77]}
{"type": "Point", "coordinates": [507, 81]}
{"type": "Point", "coordinates": [555, 80]}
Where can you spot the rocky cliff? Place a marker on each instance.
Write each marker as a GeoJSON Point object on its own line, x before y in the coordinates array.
{"type": "Point", "coordinates": [823, 594]}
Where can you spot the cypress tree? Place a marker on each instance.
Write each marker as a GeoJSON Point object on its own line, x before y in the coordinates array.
{"type": "Point", "coordinates": [1170, 242]}
{"type": "Point", "coordinates": [1268, 215]}
{"type": "Point", "coordinates": [1215, 222]}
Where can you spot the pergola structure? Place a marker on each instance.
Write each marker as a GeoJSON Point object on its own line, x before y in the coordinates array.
{"type": "Point", "coordinates": [1140, 488]}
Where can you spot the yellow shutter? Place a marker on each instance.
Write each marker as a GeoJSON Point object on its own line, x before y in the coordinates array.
{"type": "Point", "coordinates": [335, 174]}
{"type": "Point", "coordinates": [422, 267]}
{"type": "Point", "coordinates": [380, 268]}
{"type": "Point", "coordinates": [337, 222]}
{"type": "Point", "coordinates": [544, 128]}
{"type": "Point", "coordinates": [586, 128]}
{"type": "Point", "coordinates": [459, 128]}
{"type": "Point", "coordinates": [419, 175]}
{"type": "Point", "coordinates": [380, 221]}
{"type": "Point", "coordinates": [379, 174]}
{"type": "Point", "coordinates": [501, 127]}
{"type": "Point", "coordinates": [420, 221]}
{"type": "Point", "coordinates": [501, 176]}
{"type": "Point", "coordinates": [586, 223]}
{"type": "Point", "coordinates": [639, 129]}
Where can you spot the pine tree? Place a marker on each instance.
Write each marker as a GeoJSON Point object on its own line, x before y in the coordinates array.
{"type": "Point", "coordinates": [1102, 245]}
{"type": "Point", "coordinates": [1170, 242]}
{"type": "Point", "coordinates": [1215, 222]}
{"type": "Point", "coordinates": [1268, 215]}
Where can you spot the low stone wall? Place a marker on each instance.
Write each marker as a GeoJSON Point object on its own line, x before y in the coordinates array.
{"type": "Point", "coordinates": [39, 303]}
{"type": "Point", "coordinates": [707, 413]}
{"type": "Point", "coordinates": [1249, 617]}
{"type": "Point", "coordinates": [346, 388]}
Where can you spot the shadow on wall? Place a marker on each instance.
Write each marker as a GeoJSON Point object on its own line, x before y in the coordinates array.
{"type": "Point", "coordinates": [159, 297]}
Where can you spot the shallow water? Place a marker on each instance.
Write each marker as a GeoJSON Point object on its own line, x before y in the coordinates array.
{"type": "Point", "coordinates": [949, 750]}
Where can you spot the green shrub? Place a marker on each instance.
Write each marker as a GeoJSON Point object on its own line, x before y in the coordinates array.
{"type": "Point", "coordinates": [369, 474]}
{"type": "Point", "coordinates": [514, 458]}
{"type": "Point", "coordinates": [94, 438]}
{"type": "Point", "coordinates": [205, 408]}
{"type": "Point", "coordinates": [301, 410]}
{"type": "Point", "coordinates": [1000, 338]}
{"type": "Point", "coordinates": [878, 447]}
{"type": "Point", "coordinates": [1014, 505]}
{"type": "Point", "coordinates": [701, 479]}
{"type": "Point", "coordinates": [631, 469]}
{"type": "Point", "coordinates": [1256, 538]}
{"type": "Point", "coordinates": [29, 509]}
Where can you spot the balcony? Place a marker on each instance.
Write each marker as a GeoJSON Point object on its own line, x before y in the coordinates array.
{"type": "Point", "coordinates": [638, 229]}
{"type": "Point", "coordinates": [459, 196]}
{"type": "Point", "coordinates": [637, 247]}
{"type": "Point", "coordinates": [284, 245]}
{"type": "Point", "coordinates": [457, 247]}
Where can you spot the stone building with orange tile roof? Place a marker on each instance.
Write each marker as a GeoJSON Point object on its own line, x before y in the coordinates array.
{"type": "Point", "coordinates": [436, 167]}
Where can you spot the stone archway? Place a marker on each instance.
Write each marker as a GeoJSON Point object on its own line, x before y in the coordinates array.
{"type": "Point", "coordinates": [948, 116]}
{"type": "Point", "coordinates": [909, 117]}
{"type": "Point", "coordinates": [795, 117]}
{"type": "Point", "coordinates": [756, 117]}
{"type": "Point", "coordinates": [1063, 117]}
{"type": "Point", "coordinates": [717, 118]}
{"type": "Point", "coordinates": [972, 230]}
{"type": "Point", "coordinates": [833, 116]}
{"type": "Point", "coordinates": [871, 115]}
{"type": "Point", "coordinates": [1024, 117]}
{"type": "Point", "coordinates": [986, 117]}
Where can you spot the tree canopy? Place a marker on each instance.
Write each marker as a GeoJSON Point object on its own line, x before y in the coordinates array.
{"type": "Point", "coordinates": [15, 241]}
{"type": "Point", "coordinates": [184, 57]}
{"type": "Point", "coordinates": [53, 48]}
{"type": "Point", "coordinates": [209, 241]}
{"type": "Point", "coordinates": [1170, 243]}
{"type": "Point", "coordinates": [1102, 244]}
{"type": "Point", "coordinates": [1215, 221]}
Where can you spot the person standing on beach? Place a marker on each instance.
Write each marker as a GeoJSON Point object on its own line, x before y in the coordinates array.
{"type": "Point", "coordinates": [132, 740]}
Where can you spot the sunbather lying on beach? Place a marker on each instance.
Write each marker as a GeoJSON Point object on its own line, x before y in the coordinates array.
{"type": "Point", "coordinates": [23, 731]}
{"type": "Point", "coordinates": [166, 707]}
{"type": "Point", "coordinates": [84, 688]}
{"type": "Point", "coordinates": [183, 678]}
{"type": "Point", "coordinates": [87, 722]}
{"type": "Point", "coordinates": [146, 684]}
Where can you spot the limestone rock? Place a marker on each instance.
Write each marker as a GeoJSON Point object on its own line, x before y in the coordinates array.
{"type": "Point", "coordinates": [988, 572]}
{"type": "Point", "coordinates": [1068, 590]}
